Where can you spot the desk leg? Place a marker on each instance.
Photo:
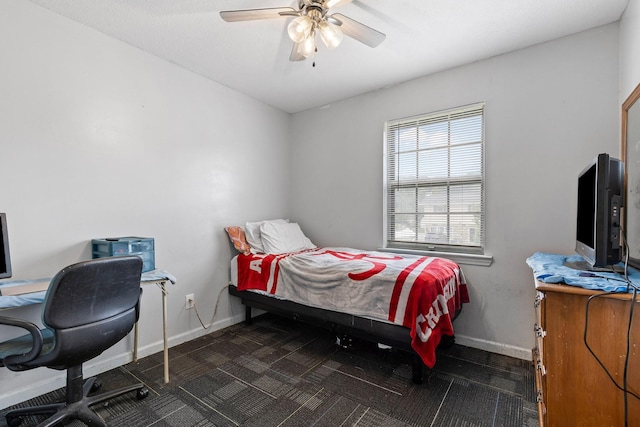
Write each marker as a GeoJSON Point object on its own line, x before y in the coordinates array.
{"type": "Point", "coordinates": [161, 284]}
{"type": "Point", "coordinates": [135, 342]}
{"type": "Point", "coordinates": [164, 332]}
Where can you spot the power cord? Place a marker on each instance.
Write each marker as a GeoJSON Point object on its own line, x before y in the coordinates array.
{"type": "Point", "coordinates": [214, 310]}
{"type": "Point", "coordinates": [630, 286]}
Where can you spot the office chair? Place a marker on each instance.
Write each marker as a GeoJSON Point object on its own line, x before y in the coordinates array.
{"type": "Point", "coordinates": [89, 307]}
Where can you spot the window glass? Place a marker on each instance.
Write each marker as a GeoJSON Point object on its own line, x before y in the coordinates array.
{"type": "Point", "coordinates": [434, 181]}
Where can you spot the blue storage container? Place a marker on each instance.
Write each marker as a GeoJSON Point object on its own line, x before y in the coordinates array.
{"type": "Point", "coordinates": [119, 246]}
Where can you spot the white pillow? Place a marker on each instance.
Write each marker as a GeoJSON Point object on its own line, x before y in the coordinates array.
{"type": "Point", "coordinates": [252, 233]}
{"type": "Point", "coordinates": [279, 238]}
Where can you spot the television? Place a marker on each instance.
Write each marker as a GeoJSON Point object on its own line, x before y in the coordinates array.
{"type": "Point", "coordinates": [5, 259]}
{"type": "Point", "coordinates": [600, 199]}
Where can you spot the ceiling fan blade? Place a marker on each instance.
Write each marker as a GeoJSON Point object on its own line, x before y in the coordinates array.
{"type": "Point", "coordinates": [255, 14]}
{"type": "Point", "coordinates": [357, 31]}
{"type": "Point", "coordinates": [295, 53]}
{"type": "Point", "coordinates": [333, 3]}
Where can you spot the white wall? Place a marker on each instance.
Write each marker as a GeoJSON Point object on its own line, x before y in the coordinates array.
{"type": "Point", "coordinates": [629, 48]}
{"type": "Point", "coordinates": [100, 139]}
{"type": "Point", "coordinates": [549, 110]}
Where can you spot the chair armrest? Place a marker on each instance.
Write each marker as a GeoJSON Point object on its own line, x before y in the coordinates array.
{"type": "Point", "coordinates": [36, 335]}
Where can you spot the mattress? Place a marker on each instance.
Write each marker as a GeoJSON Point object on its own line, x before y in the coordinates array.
{"type": "Point", "coordinates": [418, 292]}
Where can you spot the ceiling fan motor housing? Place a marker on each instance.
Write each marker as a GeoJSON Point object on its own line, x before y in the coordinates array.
{"type": "Point", "coordinates": [313, 9]}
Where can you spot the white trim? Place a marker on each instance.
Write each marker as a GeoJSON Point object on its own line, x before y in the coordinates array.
{"type": "Point", "coordinates": [448, 112]}
{"type": "Point", "coordinates": [469, 259]}
{"type": "Point", "coordinates": [495, 347]}
{"type": "Point", "coordinates": [32, 390]}
{"type": "Point", "coordinates": [98, 366]}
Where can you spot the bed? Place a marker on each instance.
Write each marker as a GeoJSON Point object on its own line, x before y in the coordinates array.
{"type": "Point", "coordinates": [407, 302]}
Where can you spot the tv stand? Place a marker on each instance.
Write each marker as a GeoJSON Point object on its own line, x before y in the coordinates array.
{"type": "Point", "coordinates": [585, 266]}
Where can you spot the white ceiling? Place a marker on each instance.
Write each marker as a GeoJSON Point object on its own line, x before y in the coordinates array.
{"type": "Point", "coordinates": [423, 37]}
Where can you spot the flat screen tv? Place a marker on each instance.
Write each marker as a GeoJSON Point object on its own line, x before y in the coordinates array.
{"type": "Point", "coordinates": [5, 259]}
{"type": "Point", "coordinates": [600, 198]}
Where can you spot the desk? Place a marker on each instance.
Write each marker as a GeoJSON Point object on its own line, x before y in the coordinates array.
{"type": "Point", "coordinates": [158, 277]}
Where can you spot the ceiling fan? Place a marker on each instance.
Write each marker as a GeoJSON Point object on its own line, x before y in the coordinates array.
{"type": "Point", "coordinates": [311, 18]}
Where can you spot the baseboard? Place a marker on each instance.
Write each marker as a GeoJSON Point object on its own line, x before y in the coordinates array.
{"type": "Point", "coordinates": [192, 334]}
{"type": "Point", "coordinates": [495, 347]}
{"type": "Point", "coordinates": [35, 388]}
{"type": "Point", "coordinates": [57, 379]}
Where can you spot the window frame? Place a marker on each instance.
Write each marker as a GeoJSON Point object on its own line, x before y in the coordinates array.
{"type": "Point", "coordinates": [475, 253]}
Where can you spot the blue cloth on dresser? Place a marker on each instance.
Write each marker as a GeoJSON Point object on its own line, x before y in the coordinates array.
{"type": "Point", "coordinates": [550, 268]}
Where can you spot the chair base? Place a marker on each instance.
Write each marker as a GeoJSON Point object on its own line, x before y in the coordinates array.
{"type": "Point", "coordinates": [76, 409]}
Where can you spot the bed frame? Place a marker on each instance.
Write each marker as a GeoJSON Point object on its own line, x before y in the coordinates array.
{"type": "Point", "coordinates": [341, 324]}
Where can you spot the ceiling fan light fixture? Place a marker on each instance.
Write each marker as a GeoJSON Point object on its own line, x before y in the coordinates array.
{"type": "Point", "coordinates": [311, 17]}
{"type": "Point", "coordinates": [330, 34]}
{"type": "Point", "coordinates": [300, 28]}
{"type": "Point", "coordinates": [308, 46]}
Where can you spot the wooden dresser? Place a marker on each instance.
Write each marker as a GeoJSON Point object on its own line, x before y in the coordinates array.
{"type": "Point", "coordinates": [573, 389]}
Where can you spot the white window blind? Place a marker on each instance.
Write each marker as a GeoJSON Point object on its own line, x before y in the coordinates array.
{"type": "Point", "coordinates": [434, 193]}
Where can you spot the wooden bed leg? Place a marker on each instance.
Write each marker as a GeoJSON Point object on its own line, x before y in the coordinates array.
{"type": "Point", "coordinates": [247, 315]}
{"type": "Point", "coordinates": [418, 370]}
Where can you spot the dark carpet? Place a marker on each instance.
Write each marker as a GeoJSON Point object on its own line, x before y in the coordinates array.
{"type": "Point", "coordinates": [277, 372]}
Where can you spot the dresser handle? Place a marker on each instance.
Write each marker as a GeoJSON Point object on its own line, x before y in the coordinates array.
{"type": "Point", "coordinates": [540, 333]}
{"type": "Point", "coordinates": [541, 368]}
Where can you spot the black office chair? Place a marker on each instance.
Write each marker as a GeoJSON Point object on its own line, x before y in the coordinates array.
{"type": "Point", "coordinates": [89, 307]}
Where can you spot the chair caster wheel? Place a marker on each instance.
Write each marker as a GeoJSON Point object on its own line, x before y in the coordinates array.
{"type": "Point", "coordinates": [14, 422]}
{"type": "Point", "coordinates": [97, 385]}
{"type": "Point", "coordinates": [142, 393]}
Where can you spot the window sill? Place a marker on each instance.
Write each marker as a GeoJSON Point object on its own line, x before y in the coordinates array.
{"type": "Point", "coordinates": [460, 258]}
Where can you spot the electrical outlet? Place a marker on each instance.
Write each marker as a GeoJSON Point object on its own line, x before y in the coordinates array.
{"type": "Point", "coordinates": [189, 301]}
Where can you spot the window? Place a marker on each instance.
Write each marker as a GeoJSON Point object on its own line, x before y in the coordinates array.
{"type": "Point", "coordinates": [434, 192]}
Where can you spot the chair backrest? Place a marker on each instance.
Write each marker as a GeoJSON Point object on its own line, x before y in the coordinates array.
{"type": "Point", "coordinates": [90, 306]}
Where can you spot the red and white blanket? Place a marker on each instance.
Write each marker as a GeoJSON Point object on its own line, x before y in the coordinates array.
{"type": "Point", "coordinates": [421, 293]}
